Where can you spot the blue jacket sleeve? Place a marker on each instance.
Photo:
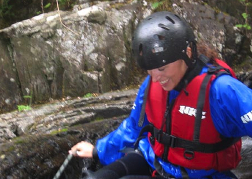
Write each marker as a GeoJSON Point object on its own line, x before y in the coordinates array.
{"type": "Point", "coordinates": [231, 107]}
{"type": "Point", "coordinates": [108, 148]}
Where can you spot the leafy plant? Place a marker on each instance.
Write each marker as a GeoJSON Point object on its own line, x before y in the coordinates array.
{"type": "Point", "coordinates": [64, 3]}
{"type": "Point", "coordinates": [246, 25]}
{"type": "Point", "coordinates": [88, 95]}
{"type": "Point", "coordinates": [47, 5]}
{"type": "Point", "coordinates": [25, 107]}
{"type": "Point", "coordinates": [245, 16]}
{"type": "Point", "coordinates": [6, 10]}
{"type": "Point", "coordinates": [161, 5]}
{"type": "Point", "coordinates": [155, 5]}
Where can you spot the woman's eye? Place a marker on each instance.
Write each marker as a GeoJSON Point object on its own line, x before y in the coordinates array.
{"type": "Point", "coordinates": [161, 69]}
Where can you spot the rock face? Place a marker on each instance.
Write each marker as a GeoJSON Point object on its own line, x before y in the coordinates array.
{"type": "Point", "coordinates": [87, 50]}
{"type": "Point", "coordinates": [45, 58]}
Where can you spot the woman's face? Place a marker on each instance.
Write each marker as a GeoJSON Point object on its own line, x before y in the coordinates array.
{"type": "Point", "coordinates": [169, 75]}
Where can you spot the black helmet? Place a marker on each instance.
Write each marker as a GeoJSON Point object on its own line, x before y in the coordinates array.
{"type": "Point", "coordinates": [161, 38]}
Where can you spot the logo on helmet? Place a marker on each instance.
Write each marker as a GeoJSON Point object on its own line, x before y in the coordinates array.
{"type": "Point", "coordinates": [157, 49]}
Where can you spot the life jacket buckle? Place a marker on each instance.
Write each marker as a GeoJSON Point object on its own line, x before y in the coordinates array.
{"type": "Point", "coordinates": [172, 141]}
{"type": "Point", "coordinates": [188, 154]}
{"type": "Point", "coordinates": [211, 70]}
{"type": "Point", "coordinates": [152, 140]}
{"type": "Point", "coordinates": [159, 135]}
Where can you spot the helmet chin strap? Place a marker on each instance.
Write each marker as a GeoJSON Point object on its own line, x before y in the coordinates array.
{"type": "Point", "coordinates": [190, 62]}
{"type": "Point", "coordinates": [194, 68]}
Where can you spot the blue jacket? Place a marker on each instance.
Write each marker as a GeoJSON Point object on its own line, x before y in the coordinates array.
{"type": "Point", "coordinates": [231, 110]}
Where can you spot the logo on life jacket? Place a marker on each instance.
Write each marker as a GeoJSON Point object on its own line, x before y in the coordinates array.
{"type": "Point", "coordinates": [247, 117]}
{"type": "Point", "coordinates": [190, 111]}
{"type": "Point", "coordinates": [134, 106]}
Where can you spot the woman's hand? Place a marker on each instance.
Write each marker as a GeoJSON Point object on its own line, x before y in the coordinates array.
{"type": "Point", "coordinates": [82, 149]}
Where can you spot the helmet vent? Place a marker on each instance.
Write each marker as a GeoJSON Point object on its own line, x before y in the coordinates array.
{"type": "Point", "coordinates": [141, 49]}
{"type": "Point", "coordinates": [177, 16]}
{"type": "Point", "coordinates": [159, 37]}
{"type": "Point", "coordinates": [163, 26]}
{"type": "Point", "coordinates": [170, 19]}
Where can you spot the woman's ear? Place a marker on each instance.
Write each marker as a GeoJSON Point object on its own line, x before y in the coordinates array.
{"type": "Point", "coordinates": [189, 52]}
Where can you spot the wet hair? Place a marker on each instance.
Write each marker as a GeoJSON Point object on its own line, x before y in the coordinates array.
{"type": "Point", "coordinates": [208, 51]}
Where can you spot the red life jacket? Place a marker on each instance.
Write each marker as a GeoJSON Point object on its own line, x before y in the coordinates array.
{"type": "Point", "coordinates": [182, 117]}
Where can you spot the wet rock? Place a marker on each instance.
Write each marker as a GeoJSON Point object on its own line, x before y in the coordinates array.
{"type": "Point", "coordinates": [243, 171]}
{"type": "Point", "coordinates": [59, 115]}
{"type": "Point", "coordinates": [40, 156]}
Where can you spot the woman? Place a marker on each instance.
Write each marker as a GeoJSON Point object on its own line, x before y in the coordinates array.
{"type": "Point", "coordinates": [188, 116]}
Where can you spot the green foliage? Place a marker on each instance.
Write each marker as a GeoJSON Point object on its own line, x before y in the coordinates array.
{"type": "Point", "coordinates": [88, 95]}
{"type": "Point", "coordinates": [245, 25]}
{"type": "Point", "coordinates": [161, 5]}
{"type": "Point", "coordinates": [27, 96]}
{"type": "Point", "coordinates": [6, 10]}
{"type": "Point", "coordinates": [47, 5]}
{"type": "Point", "coordinates": [155, 5]}
{"type": "Point", "coordinates": [25, 107]}
{"type": "Point", "coordinates": [65, 3]}
{"type": "Point", "coordinates": [245, 16]}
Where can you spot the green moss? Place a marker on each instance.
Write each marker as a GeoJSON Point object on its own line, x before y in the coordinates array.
{"type": "Point", "coordinates": [98, 118]}
{"type": "Point", "coordinates": [18, 140]}
{"type": "Point", "coordinates": [10, 149]}
{"type": "Point", "coordinates": [59, 131]}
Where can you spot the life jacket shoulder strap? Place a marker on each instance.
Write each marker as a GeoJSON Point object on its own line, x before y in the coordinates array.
{"type": "Point", "coordinates": [212, 71]}
{"type": "Point", "coordinates": [226, 142]}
